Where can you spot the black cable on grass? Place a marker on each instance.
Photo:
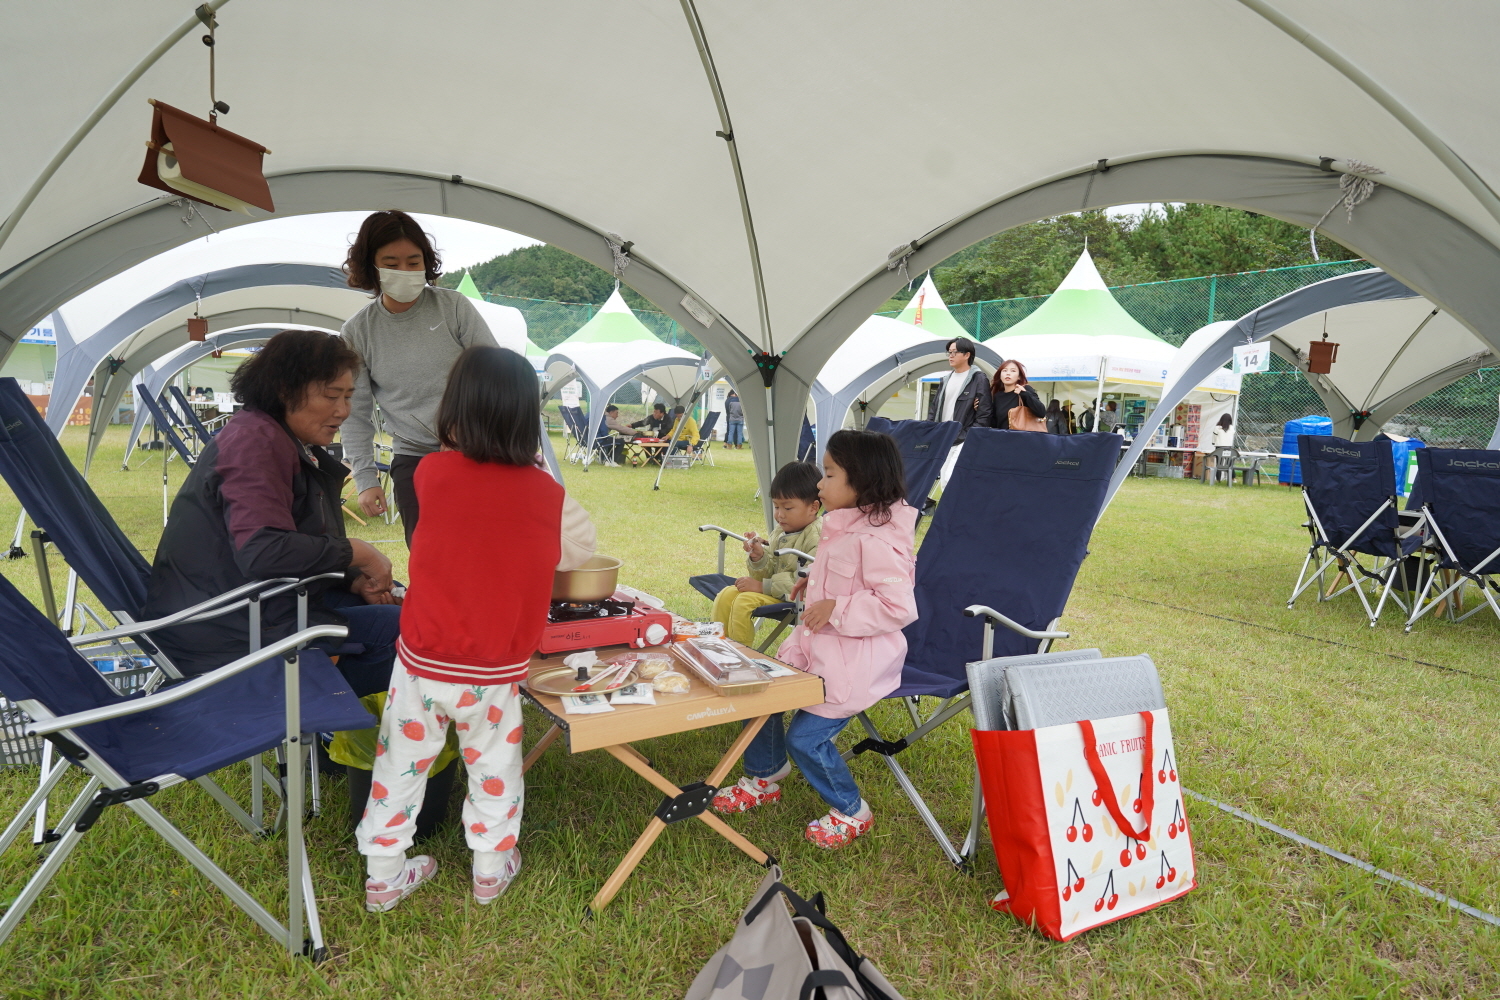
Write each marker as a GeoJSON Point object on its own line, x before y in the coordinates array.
{"type": "Point", "coordinates": [1313, 638]}
{"type": "Point", "coordinates": [1464, 908]}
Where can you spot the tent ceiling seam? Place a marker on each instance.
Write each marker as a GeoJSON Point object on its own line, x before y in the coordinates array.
{"type": "Point", "coordinates": [695, 24]}
{"type": "Point", "coordinates": [1397, 357]}
{"type": "Point", "coordinates": [1465, 174]}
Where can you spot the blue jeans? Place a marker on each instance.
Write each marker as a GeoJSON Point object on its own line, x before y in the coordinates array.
{"type": "Point", "coordinates": [734, 432]}
{"type": "Point", "coordinates": [373, 626]}
{"type": "Point", "coordinates": [810, 739]}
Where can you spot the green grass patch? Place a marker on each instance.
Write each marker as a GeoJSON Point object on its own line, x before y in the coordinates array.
{"type": "Point", "coordinates": [1374, 742]}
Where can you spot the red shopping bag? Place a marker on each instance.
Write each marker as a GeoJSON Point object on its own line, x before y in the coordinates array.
{"type": "Point", "coordinates": [1087, 820]}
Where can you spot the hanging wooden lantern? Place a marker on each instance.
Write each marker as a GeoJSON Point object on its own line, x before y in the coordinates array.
{"type": "Point", "coordinates": [1321, 354]}
{"type": "Point", "coordinates": [199, 160]}
{"type": "Point", "coordinates": [197, 328]}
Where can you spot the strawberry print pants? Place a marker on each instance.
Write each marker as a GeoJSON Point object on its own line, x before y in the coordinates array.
{"type": "Point", "coordinates": [412, 733]}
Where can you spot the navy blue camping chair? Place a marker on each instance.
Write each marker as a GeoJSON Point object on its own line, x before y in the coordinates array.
{"type": "Point", "coordinates": [807, 443]}
{"type": "Point", "coordinates": [1349, 490]}
{"type": "Point", "coordinates": [1015, 499]}
{"type": "Point", "coordinates": [190, 419]}
{"type": "Point", "coordinates": [132, 748]}
{"type": "Point", "coordinates": [924, 447]}
{"type": "Point", "coordinates": [167, 422]}
{"type": "Point", "coordinates": [1460, 502]}
{"type": "Point", "coordinates": [701, 454]}
{"type": "Point", "coordinates": [66, 511]}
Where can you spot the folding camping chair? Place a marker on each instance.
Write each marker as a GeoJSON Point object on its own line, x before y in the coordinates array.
{"type": "Point", "coordinates": [164, 425]}
{"type": "Point", "coordinates": [133, 748]}
{"type": "Point", "coordinates": [1460, 503]}
{"type": "Point", "coordinates": [190, 416]}
{"type": "Point", "coordinates": [1349, 490]}
{"type": "Point", "coordinates": [70, 517]}
{"type": "Point", "coordinates": [1046, 490]}
{"type": "Point", "coordinates": [701, 455]}
{"type": "Point", "coordinates": [924, 447]}
{"type": "Point", "coordinates": [784, 613]}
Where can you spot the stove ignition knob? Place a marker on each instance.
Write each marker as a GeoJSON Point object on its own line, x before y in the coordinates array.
{"type": "Point", "coordinates": [656, 634]}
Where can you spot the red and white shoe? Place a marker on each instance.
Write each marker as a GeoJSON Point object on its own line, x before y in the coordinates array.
{"type": "Point", "coordinates": [837, 829]}
{"type": "Point", "coordinates": [746, 795]}
{"type": "Point", "coordinates": [487, 888]}
{"type": "Point", "coordinates": [381, 896]}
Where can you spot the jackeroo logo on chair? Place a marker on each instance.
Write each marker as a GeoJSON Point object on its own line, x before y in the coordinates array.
{"type": "Point", "coordinates": [1066, 463]}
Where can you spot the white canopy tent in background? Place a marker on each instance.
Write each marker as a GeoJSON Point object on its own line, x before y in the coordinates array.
{"type": "Point", "coordinates": [1395, 347]}
{"type": "Point", "coordinates": [159, 374]}
{"type": "Point", "coordinates": [1080, 342]}
{"type": "Point", "coordinates": [927, 310]}
{"type": "Point", "coordinates": [768, 258]}
{"type": "Point", "coordinates": [507, 323]}
{"type": "Point", "coordinates": [613, 348]}
{"type": "Point", "coordinates": [882, 354]}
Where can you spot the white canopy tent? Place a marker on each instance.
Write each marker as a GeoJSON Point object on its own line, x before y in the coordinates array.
{"type": "Point", "coordinates": [882, 354]}
{"type": "Point", "coordinates": [1080, 345]}
{"type": "Point", "coordinates": [613, 348]}
{"type": "Point", "coordinates": [1395, 347]}
{"type": "Point", "coordinates": [751, 249]}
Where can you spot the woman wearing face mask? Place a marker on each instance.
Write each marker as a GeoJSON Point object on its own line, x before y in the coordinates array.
{"type": "Point", "coordinates": [407, 339]}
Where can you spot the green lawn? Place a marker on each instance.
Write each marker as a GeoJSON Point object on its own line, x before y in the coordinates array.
{"type": "Point", "coordinates": [1376, 743]}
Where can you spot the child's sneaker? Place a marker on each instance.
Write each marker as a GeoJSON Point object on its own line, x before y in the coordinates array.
{"type": "Point", "coordinates": [837, 829]}
{"type": "Point", "coordinates": [487, 888]}
{"type": "Point", "coordinates": [746, 794]}
{"type": "Point", "coordinates": [381, 896]}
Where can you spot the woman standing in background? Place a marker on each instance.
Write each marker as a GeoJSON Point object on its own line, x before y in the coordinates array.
{"type": "Point", "coordinates": [408, 339]}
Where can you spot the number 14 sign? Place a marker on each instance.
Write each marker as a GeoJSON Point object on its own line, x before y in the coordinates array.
{"type": "Point", "coordinates": [1252, 358]}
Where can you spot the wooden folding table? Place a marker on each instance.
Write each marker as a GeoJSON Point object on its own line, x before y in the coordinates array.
{"type": "Point", "coordinates": [700, 708]}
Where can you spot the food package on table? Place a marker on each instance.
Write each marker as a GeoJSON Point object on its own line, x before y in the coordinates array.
{"type": "Point", "coordinates": [671, 682]}
{"type": "Point", "coordinates": [719, 663]}
{"type": "Point", "coordinates": [653, 666]}
{"type": "Point", "coordinates": [683, 629]}
{"type": "Point", "coordinates": [586, 704]}
{"type": "Point", "coordinates": [640, 693]}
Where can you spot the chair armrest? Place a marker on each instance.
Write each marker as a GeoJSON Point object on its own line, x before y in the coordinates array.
{"type": "Point", "coordinates": [723, 531]}
{"type": "Point", "coordinates": [802, 557]}
{"type": "Point", "coordinates": [177, 692]}
{"type": "Point", "coordinates": [774, 610]}
{"type": "Point", "coordinates": [980, 611]}
{"type": "Point", "coordinates": [213, 604]}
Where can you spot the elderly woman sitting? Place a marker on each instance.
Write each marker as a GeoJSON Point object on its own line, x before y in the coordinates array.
{"type": "Point", "coordinates": [263, 501]}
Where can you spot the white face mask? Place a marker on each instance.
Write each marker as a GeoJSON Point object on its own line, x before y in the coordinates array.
{"type": "Point", "coordinates": [403, 286]}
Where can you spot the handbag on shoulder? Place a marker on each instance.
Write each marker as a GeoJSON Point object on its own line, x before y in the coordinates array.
{"type": "Point", "coordinates": [1022, 419]}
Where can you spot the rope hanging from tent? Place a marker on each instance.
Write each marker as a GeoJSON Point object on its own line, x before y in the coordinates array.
{"type": "Point", "coordinates": [619, 249]}
{"type": "Point", "coordinates": [1356, 184]}
{"type": "Point", "coordinates": [897, 258]}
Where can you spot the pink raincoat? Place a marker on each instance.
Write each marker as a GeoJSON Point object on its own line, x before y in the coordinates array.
{"type": "Point", "coordinates": [868, 571]}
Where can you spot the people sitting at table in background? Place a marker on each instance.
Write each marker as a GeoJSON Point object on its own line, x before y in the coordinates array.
{"type": "Point", "coordinates": [613, 433]}
{"type": "Point", "coordinates": [262, 501]}
{"type": "Point", "coordinates": [654, 424]}
{"type": "Point", "coordinates": [684, 432]}
{"type": "Point", "coordinates": [474, 614]}
{"type": "Point", "coordinates": [734, 421]}
{"type": "Point", "coordinates": [1009, 390]}
{"type": "Point", "coordinates": [859, 594]}
{"type": "Point", "coordinates": [1109, 418]}
{"type": "Point", "coordinates": [770, 578]}
{"type": "Point", "coordinates": [1223, 435]}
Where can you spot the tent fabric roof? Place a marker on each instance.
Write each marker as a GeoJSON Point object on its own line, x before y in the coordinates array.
{"type": "Point", "coordinates": [785, 237]}
{"type": "Point", "coordinates": [928, 311]}
{"type": "Point", "coordinates": [1082, 306]}
{"type": "Point", "coordinates": [877, 337]}
{"type": "Point", "coordinates": [614, 323]}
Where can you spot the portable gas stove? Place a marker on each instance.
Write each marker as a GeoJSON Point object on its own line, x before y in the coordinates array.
{"type": "Point", "coordinates": [614, 621]}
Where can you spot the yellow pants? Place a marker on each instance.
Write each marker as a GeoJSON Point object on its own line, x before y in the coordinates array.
{"type": "Point", "coordinates": [733, 607]}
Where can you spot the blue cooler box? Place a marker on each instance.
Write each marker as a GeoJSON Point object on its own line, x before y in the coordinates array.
{"type": "Point", "coordinates": [1290, 472]}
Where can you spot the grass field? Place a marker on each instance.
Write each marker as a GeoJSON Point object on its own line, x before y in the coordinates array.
{"type": "Point", "coordinates": [1379, 744]}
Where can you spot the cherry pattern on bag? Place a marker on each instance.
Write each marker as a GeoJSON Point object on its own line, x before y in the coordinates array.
{"type": "Point", "coordinates": [1109, 897]}
{"type": "Point", "coordinates": [1167, 874]}
{"type": "Point", "coordinates": [1072, 883]}
{"type": "Point", "coordinates": [1078, 822]}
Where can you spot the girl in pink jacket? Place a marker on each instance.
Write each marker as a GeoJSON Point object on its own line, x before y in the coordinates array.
{"type": "Point", "coordinates": [859, 598]}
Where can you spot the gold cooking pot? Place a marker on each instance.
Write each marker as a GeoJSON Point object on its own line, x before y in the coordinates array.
{"type": "Point", "coordinates": [593, 581]}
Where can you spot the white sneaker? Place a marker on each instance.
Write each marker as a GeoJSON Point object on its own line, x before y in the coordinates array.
{"type": "Point", "coordinates": [487, 888]}
{"type": "Point", "coordinates": [381, 896]}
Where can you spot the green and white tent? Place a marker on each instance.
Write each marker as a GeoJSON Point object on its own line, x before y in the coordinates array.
{"type": "Point", "coordinates": [613, 348]}
{"type": "Point", "coordinates": [928, 311]}
{"type": "Point", "coordinates": [507, 323]}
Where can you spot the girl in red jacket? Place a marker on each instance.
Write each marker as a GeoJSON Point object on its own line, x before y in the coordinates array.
{"type": "Point", "coordinates": [474, 612]}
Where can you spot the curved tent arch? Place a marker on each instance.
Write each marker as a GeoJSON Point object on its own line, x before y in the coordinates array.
{"type": "Point", "coordinates": [159, 373]}
{"type": "Point", "coordinates": [78, 358]}
{"type": "Point", "coordinates": [1374, 312]}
